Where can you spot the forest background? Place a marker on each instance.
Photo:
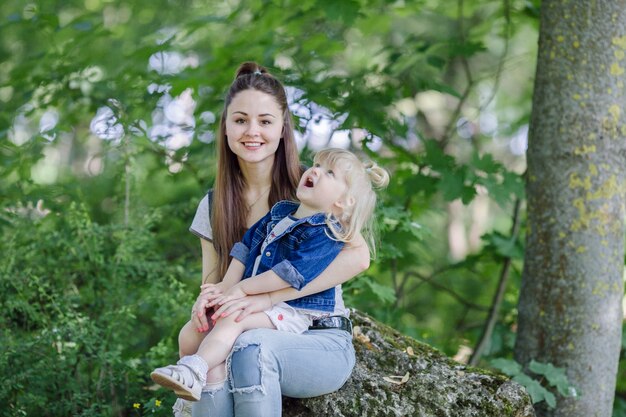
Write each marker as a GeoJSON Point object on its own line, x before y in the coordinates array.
{"type": "Point", "coordinates": [108, 112]}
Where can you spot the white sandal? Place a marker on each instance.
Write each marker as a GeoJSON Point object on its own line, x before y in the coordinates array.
{"type": "Point", "coordinates": [179, 378]}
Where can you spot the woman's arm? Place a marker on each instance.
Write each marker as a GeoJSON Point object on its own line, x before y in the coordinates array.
{"type": "Point", "coordinates": [351, 261]}
{"type": "Point", "coordinates": [209, 276]}
{"type": "Point", "coordinates": [209, 263]}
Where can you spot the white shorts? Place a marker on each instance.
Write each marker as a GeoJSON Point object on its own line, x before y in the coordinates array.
{"type": "Point", "coordinates": [288, 319]}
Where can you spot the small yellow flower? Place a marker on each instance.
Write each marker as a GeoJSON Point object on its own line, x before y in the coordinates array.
{"type": "Point", "coordinates": [157, 403]}
{"type": "Point", "coordinates": [136, 405]}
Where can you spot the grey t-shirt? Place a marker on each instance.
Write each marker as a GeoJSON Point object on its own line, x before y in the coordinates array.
{"type": "Point", "coordinates": [201, 224]}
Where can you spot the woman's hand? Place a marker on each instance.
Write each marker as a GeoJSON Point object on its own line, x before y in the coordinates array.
{"type": "Point", "coordinates": [199, 313]}
{"type": "Point", "coordinates": [201, 308]}
{"type": "Point", "coordinates": [245, 306]}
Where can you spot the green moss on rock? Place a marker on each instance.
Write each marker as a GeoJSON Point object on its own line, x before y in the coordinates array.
{"type": "Point", "coordinates": [437, 385]}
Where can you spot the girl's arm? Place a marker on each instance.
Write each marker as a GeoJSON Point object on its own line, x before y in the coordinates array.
{"type": "Point", "coordinates": [268, 281]}
{"type": "Point", "coordinates": [351, 261]}
{"type": "Point", "coordinates": [259, 284]}
{"type": "Point", "coordinates": [234, 273]}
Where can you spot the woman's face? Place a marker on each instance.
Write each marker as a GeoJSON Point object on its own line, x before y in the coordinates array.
{"type": "Point", "coordinates": [254, 126]}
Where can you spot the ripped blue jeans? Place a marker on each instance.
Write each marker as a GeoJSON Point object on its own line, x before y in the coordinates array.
{"type": "Point", "coordinates": [266, 364]}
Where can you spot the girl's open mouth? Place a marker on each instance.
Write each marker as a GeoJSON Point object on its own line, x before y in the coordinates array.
{"type": "Point", "coordinates": [309, 183]}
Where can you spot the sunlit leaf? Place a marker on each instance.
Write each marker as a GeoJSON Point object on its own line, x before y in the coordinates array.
{"type": "Point", "coordinates": [504, 245]}
{"type": "Point", "coordinates": [555, 376]}
{"type": "Point", "coordinates": [536, 390]}
{"type": "Point", "coordinates": [508, 366]}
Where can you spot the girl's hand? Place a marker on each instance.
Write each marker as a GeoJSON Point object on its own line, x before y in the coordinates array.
{"type": "Point", "coordinates": [206, 289]}
{"type": "Point", "coordinates": [234, 293]}
{"type": "Point", "coordinates": [245, 306]}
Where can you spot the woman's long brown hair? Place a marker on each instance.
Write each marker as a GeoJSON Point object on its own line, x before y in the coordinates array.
{"type": "Point", "coordinates": [229, 212]}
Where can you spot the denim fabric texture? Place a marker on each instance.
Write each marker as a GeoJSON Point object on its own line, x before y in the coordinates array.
{"type": "Point", "coordinates": [298, 255]}
{"type": "Point", "coordinates": [266, 364]}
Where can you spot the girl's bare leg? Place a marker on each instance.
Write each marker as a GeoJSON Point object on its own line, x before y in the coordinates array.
{"type": "Point", "coordinates": [189, 375]}
{"type": "Point", "coordinates": [189, 339]}
{"type": "Point", "coordinates": [218, 343]}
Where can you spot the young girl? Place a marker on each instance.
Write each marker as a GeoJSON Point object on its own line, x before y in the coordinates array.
{"type": "Point", "coordinates": [288, 247]}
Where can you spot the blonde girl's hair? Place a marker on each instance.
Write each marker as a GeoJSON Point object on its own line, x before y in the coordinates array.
{"type": "Point", "coordinates": [229, 212]}
{"type": "Point", "coordinates": [362, 177]}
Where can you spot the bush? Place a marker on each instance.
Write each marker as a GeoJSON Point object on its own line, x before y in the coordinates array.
{"type": "Point", "coordinates": [88, 311]}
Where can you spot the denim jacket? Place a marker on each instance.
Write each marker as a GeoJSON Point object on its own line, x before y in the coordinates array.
{"type": "Point", "coordinates": [298, 255]}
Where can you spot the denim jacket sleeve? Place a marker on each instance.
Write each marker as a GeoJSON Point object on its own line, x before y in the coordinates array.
{"type": "Point", "coordinates": [316, 251]}
{"type": "Point", "coordinates": [241, 250]}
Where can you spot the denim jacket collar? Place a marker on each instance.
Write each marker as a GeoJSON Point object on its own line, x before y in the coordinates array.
{"type": "Point", "coordinates": [285, 208]}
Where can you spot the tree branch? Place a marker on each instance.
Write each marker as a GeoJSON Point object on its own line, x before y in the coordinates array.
{"type": "Point", "coordinates": [459, 298]}
{"type": "Point", "coordinates": [485, 337]}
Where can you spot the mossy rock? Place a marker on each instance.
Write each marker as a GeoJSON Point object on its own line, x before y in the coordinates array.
{"type": "Point", "coordinates": [436, 385]}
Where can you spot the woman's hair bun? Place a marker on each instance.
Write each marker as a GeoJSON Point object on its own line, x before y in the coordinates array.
{"type": "Point", "coordinates": [250, 67]}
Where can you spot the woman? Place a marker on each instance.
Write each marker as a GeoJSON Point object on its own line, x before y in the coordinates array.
{"type": "Point", "coordinates": [257, 166]}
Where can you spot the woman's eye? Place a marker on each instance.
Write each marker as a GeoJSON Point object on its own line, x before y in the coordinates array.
{"type": "Point", "coordinates": [240, 121]}
{"type": "Point", "coordinates": [266, 122]}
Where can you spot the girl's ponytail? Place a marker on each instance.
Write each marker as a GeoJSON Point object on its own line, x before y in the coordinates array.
{"type": "Point", "coordinates": [378, 176]}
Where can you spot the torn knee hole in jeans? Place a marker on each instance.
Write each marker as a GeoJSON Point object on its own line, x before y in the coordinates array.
{"type": "Point", "coordinates": [213, 388]}
{"type": "Point", "coordinates": [245, 378]}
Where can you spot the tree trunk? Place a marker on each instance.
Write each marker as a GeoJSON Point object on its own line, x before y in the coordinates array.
{"type": "Point", "coordinates": [570, 302]}
{"type": "Point", "coordinates": [434, 386]}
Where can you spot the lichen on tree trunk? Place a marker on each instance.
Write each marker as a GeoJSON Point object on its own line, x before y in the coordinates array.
{"type": "Point", "coordinates": [436, 385]}
{"type": "Point", "coordinates": [570, 306]}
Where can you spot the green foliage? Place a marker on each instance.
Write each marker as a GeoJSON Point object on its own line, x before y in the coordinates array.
{"type": "Point", "coordinates": [550, 377]}
{"type": "Point", "coordinates": [97, 287]}
{"type": "Point", "coordinates": [504, 246]}
{"type": "Point", "coordinates": [366, 286]}
{"type": "Point", "coordinates": [619, 407]}
{"type": "Point", "coordinates": [83, 304]}
{"type": "Point", "coordinates": [555, 376]}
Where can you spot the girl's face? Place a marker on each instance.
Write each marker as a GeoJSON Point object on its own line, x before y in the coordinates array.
{"type": "Point", "coordinates": [254, 126]}
{"type": "Point", "coordinates": [323, 188]}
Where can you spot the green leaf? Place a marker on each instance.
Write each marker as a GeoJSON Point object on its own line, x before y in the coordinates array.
{"type": "Point", "coordinates": [466, 49]}
{"type": "Point", "coordinates": [452, 186]}
{"type": "Point", "coordinates": [444, 88]}
{"type": "Point", "coordinates": [555, 376]}
{"type": "Point", "coordinates": [537, 392]}
{"type": "Point", "coordinates": [486, 163]}
{"type": "Point", "coordinates": [467, 194]}
{"type": "Point", "coordinates": [344, 10]}
{"type": "Point", "coordinates": [421, 183]}
{"type": "Point", "coordinates": [385, 293]}
{"type": "Point", "coordinates": [437, 158]}
{"type": "Point", "coordinates": [508, 366]}
{"type": "Point", "coordinates": [504, 245]}
{"type": "Point", "coordinates": [436, 61]}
